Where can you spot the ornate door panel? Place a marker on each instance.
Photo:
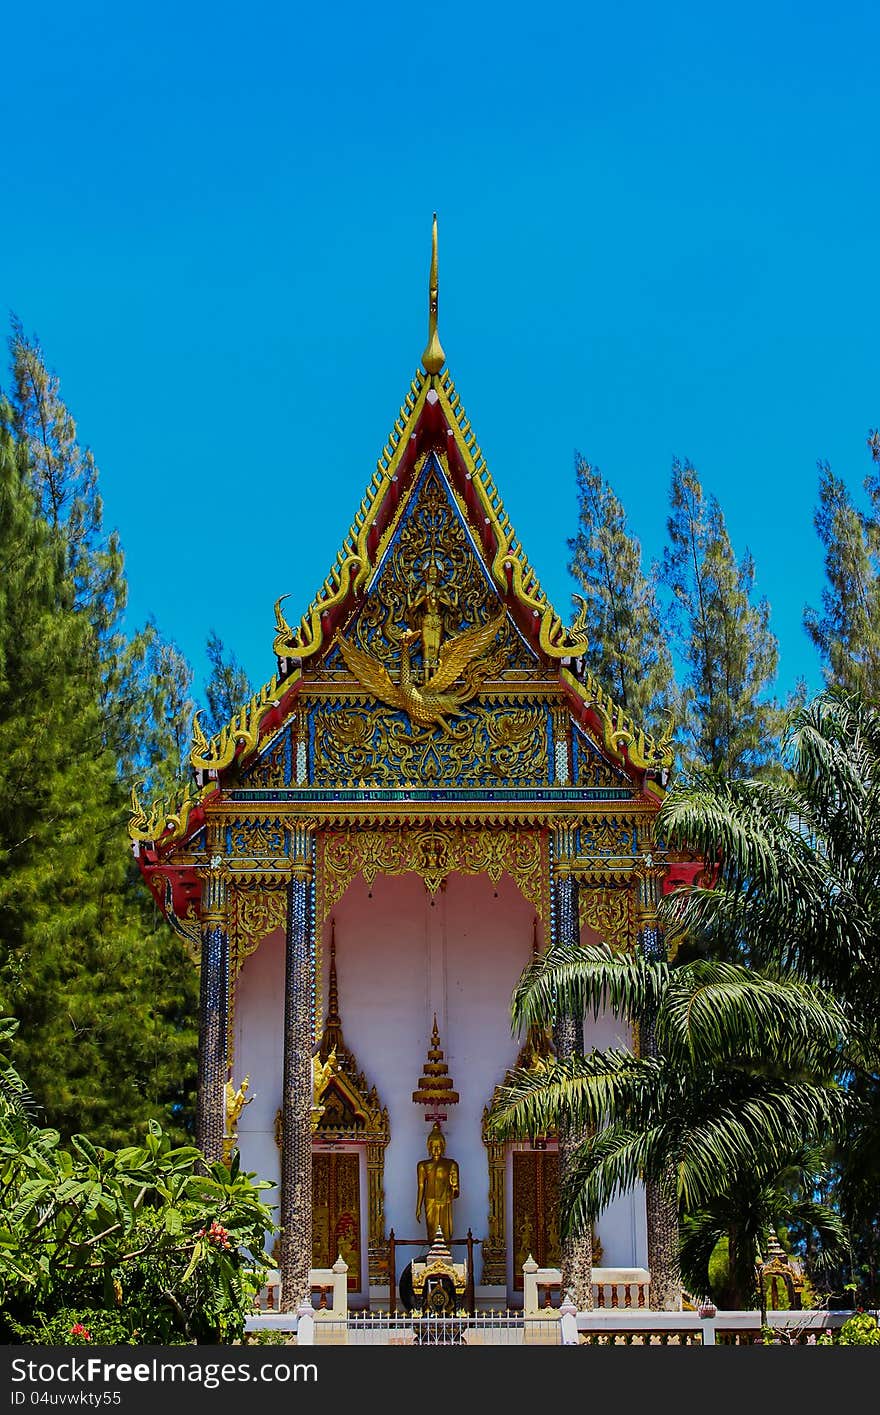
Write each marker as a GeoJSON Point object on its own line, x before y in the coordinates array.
{"type": "Point", "coordinates": [535, 1210]}
{"type": "Point", "coordinates": [336, 1213]}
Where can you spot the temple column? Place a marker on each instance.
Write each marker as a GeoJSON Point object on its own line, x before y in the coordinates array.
{"type": "Point", "coordinates": [568, 1039]}
{"type": "Point", "coordinates": [661, 1198]}
{"type": "Point", "coordinates": [213, 1013]}
{"type": "Point", "coordinates": [296, 1099]}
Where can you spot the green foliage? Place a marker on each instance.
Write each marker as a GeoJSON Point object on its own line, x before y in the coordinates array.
{"type": "Point", "coordinates": [172, 707]}
{"type": "Point", "coordinates": [847, 631]}
{"type": "Point", "coordinates": [740, 1072]}
{"type": "Point", "coordinates": [105, 996]}
{"type": "Point", "coordinates": [144, 1243]}
{"type": "Point", "coordinates": [722, 1241]}
{"type": "Point", "coordinates": [728, 722]}
{"type": "Point", "coordinates": [72, 1326]}
{"type": "Point", "coordinates": [796, 892]}
{"type": "Point", "coordinates": [860, 1330]}
{"type": "Point", "coordinates": [266, 1336]}
{"type": "Point", "coordinates": [619, 612]}
{"type": "Point", "coordinates": [63, 477]}
{"type": "Point", "coordinates": [227, 688]}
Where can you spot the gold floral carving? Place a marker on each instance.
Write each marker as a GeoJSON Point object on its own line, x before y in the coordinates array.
{"type": "Point", "coordinates": [269, 770]}
{"type": "Point", "coordinates": [607, 838]}
{"type": "Point", "coordinates": [255, 913]}
{"type": "Point", "coordinates": [494, 1246]}
{"type": "Point", "coordinates": [259, 839]}
{"type": "Point", "coordinates": [371, 1128]}
{"type": "Point", "coordinates": [595, 771]}
{"type": "Point", "coordinates": [609, 913]}
{"type": "Point", "coordinates": [433, 854]}
{"type": "Point", "coordinates": [489, 744]}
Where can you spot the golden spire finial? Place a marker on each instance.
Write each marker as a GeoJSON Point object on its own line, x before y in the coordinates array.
{"type": "Point", "coordinates": [433, 358]}
{"type": "Point", "coordinates": [435, 1084]}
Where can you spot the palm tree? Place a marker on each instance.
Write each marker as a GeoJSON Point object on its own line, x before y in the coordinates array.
{"type": "Point", "coordinates": [742, 1072]}
{"type": "Point", "coordinates": [796, 888]}
{"type": "Point", "coordinates": [750, 1206]}
{"type": "Point", "coordinates": [795, 882]}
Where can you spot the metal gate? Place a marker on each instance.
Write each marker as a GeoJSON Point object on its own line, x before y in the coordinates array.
{"type": "Point", "coordinates": [399, 1329]}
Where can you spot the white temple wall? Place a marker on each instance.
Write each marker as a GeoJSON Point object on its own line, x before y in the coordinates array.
{"type": "Point", "coordinates": [399, 960]}
{"type": "Point", "coordinates": [259, 1054]}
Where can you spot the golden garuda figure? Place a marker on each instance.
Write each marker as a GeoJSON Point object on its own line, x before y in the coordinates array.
{"type": "Point", "coordinates": [430, 702]}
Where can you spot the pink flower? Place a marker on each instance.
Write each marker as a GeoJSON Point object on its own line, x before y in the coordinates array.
{"type": "Point", "coordinates": [79, 1330]}
{"type": "Point", "coordinates": [215, 1234]}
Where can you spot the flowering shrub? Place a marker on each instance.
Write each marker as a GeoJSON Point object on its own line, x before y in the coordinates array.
{"type": "Point", "coordinates": [216, 1234]}
{"type": "Point", "coordinates": [66, 1327]}
{"type": "Point", "coordinates": [148, 1244]}
{"type": "Point", "coordinates": [860, 1330]}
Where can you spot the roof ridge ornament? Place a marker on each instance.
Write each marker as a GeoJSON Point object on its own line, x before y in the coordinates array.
{"type": "Point", "coordinates": [433, 358]}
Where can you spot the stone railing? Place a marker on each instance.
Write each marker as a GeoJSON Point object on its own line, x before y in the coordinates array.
{"type": "Point", "coordinates": [612, 1287]}
{"type": "Point", "coordinates": [324, 1282]}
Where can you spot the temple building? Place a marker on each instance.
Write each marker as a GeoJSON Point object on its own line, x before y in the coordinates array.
{"type": "Point", "coordinates": [430, 787]}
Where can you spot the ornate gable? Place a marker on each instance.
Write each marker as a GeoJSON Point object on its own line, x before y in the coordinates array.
{"type": "Point", "coordinates": [429, 656]}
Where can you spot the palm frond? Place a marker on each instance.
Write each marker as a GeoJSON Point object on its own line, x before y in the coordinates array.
{"type": "Point", "coordinates": [580, 980]}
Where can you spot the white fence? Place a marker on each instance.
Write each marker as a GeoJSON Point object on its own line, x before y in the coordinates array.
{"type": "Point", "coordinates": [620, 1316]}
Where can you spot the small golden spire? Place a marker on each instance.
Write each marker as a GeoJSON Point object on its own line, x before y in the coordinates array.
{"type": "Point", "coordinates": [435, 1083]}
{"type": "Point", "coordinates": [332, 1041]}
{"type": "Point", "coordinates": [433, 358]}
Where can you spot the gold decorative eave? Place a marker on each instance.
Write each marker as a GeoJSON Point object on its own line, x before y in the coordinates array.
{"type": "Point", "coordinates": [328, 815]}
{"type": "Point", "coordinates": [166, 830]}
{"type": "Point", "coordinates": [621, 737]}
{"type": "Point", "coordinates": [166, 821]}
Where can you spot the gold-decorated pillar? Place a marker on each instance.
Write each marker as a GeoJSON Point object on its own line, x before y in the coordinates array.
{"type": "Point", "coordinates": [494, 1246]}
{"type": "Point", "coordinates": [213, 1011]}
{"type": "Point", "coordinates": [377, 1243]}
{"type": "Point", "coordinates": [296, 1098]}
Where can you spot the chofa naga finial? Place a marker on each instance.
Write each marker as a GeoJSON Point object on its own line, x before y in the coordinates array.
{"type": "Point", "coordinates": [433, 358]}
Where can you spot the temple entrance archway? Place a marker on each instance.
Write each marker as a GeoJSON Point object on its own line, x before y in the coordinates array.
{"type": "Point", "coordinates": [404, 956]}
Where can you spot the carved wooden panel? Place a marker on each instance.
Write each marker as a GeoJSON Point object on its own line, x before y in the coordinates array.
{"type": "Point", "coordinates": [336, 1213]}
{"type": "Point", "coordinates": [535, 1210]}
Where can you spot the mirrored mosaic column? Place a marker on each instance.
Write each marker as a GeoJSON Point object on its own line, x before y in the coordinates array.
{"type": "Point", "coordinates": [568, 1039]}
{"type": "Point", "coordinates": [213, 1013]}
{"type": "Point", "coordinates": [296, 1099]}
{"type": "Point", "coordinates": [661, 1201]}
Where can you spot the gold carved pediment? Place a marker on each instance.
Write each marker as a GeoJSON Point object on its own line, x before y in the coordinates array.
{"type": "Point", "coordinates": [433, 853]}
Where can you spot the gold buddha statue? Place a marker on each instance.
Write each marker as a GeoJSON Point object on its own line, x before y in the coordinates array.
{"type": "Point", "coordinates": [437, 1187]}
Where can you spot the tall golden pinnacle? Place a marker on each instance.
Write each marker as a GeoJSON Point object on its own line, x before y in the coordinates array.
{"type": "Point", "coordinates": [433, 358]}
{"type": "Point", "coordinates": [435, 1084]}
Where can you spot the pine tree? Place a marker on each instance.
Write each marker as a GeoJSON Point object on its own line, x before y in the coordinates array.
{"type": "Point", "coordinates": [847, 631]}
{"type": "Point", "coordinates": [728, 721]}
{"type": "Point", "coordinates": [169, 682]}
{"type": "Point", "coordinates": [51, 766]}
{"type": "Point", "coordinates": [106, 999]}
{"type": "Point", "coordinates": [619, 611]}
{"type": "Point", "coordinates": [228, 686]}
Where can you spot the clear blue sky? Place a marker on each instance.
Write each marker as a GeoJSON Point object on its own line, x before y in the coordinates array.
{"type": "Point", "coordinates": [658, 237]}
